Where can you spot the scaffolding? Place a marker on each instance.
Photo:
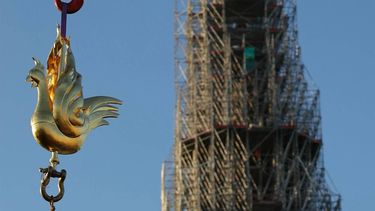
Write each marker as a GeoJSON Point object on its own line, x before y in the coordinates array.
{"type": "Point", "coordinates": [248, 126]}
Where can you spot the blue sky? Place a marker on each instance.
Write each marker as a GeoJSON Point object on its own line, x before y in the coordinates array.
{"type": "Point", "coordinates": [125, 49]}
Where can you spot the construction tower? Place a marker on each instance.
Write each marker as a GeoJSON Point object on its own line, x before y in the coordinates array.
{"type": "Point", "coordinates": [248, 125]}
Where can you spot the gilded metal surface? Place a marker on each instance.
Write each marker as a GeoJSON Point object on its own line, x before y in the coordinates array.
{"type": "Point", "coordinates": [63, 118]}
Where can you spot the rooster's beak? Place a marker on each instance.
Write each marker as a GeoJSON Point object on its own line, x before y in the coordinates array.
{"type": "Point", "coordinates": [28, 78]}
{"type": "Point", "coordinates": [33, 83]}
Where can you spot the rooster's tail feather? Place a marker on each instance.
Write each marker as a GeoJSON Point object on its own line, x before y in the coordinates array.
{"type": "Point", "coordinates": [101, 107]}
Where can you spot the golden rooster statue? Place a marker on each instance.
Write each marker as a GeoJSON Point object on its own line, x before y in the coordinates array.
{"type": "Point", "coordinates": [63, 118]}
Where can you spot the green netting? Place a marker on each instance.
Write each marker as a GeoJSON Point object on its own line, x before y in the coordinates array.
{"type": "Point", "coordinates": [249, 58]}
{"type": "Point", "coordinates": [249, 53]}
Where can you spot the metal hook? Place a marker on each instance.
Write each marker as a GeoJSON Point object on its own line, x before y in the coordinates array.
{"type": "Point", "coordinates": [48, 173]}
{"type": "Point", "coordinates": [72, 7]}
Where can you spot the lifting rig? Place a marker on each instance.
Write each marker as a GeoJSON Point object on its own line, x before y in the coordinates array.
{"type": "Point", "coordinates": [51, 172]}
{"type": "Point", "coordinates": [63, 118]}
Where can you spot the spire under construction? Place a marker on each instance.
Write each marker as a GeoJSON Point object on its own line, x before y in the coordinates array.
{"type": "Point", "coordinates": [248, 126]}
